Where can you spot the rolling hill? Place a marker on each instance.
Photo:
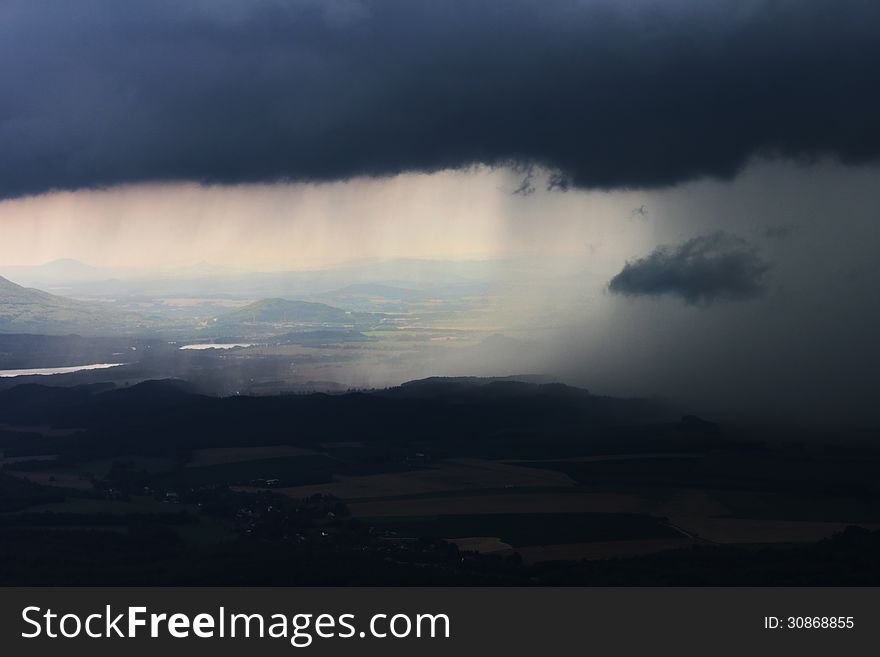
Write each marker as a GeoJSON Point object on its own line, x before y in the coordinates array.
{"type": "Point", "coordinates": [286, 312]}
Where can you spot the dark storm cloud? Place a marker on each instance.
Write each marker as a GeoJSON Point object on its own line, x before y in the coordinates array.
{"type": "Point", "coordinates": [608, 93]}
{"type": "Point", "coordinates": [703, 270]}
{"type": "Point", "coordinates": [779, 232]}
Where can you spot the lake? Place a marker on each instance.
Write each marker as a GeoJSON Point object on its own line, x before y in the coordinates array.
{"type": "Point", "coordinates": [228, 345]}
{"type": "Point", "coordinates": [47, 371]}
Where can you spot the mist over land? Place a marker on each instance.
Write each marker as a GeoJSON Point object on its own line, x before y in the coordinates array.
{"type": "Point", "coordinates": [684, 293]}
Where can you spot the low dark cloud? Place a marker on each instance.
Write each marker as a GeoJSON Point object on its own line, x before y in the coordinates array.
{"type": "Point", "coordinates": [703, 270]}
{"type": "Point", "coordinates": [603, 93]}
{"type": "Point", "coordinates": [526, 186]}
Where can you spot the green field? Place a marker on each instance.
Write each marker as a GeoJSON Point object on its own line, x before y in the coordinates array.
{"type": "Point", "coordinates": [528, 529]}
{"type": "Point", "coordinates": [290, 471]}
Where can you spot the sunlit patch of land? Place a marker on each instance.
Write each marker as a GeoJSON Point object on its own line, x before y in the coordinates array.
{"type": "Point", "coordinates": [484, 544]}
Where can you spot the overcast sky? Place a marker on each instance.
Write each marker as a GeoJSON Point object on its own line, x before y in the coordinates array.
{"type": "Point", "coordinates": [711, 165]}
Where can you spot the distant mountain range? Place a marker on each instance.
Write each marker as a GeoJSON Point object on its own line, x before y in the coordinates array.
{"type": "Point", "coordinates": [377, 290]}
{"type": "Point", "coordinates": [400, 279]}
{"type": "Point", "coordinates": [59, 274]}
{"type": "Point", "coordinates": [28, 310]}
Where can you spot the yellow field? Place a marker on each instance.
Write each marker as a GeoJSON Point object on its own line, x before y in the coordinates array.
{"type": "Point", "coordinates": [484, 544]}
{"type": "Point", "coordinates": [601, 549]}
{"type": "Point", "coordinates": [452, 475]}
